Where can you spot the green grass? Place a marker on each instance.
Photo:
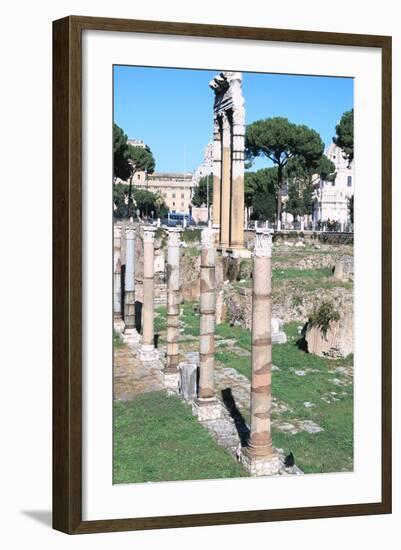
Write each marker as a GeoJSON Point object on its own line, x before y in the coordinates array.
{"type": "Point", "coordinates": [156, 438]}
{"type": "Point", "coordinates": [330, 450]}
{"type": "Point", "coordinates": [293, 273]}
{"type": "Point", "coordinates": [117, 342]}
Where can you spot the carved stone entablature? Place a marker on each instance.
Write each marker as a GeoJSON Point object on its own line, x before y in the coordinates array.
{"type": "Point", "coordinates": [228, 93]}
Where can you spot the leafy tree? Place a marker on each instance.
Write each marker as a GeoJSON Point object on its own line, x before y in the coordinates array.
{"type": "Point", "coordinates": [121, 166]}
{"type": "Point", "coordinates": [344, 137]}
{"type": "Point", "coordinates": [120, 199]}
{"type": "Point", "coordinates": [301, 179]}
{"type": "Point", "coordinates": [148, 202]}
{"type": "Point", "coordinates": [260, 193]}
{"type": "Point", "coordinates": [140, 160]}
{"type": "Point", "coordinates": [280, 140]}
{"type": "Point", "coordinates": [199, 197]}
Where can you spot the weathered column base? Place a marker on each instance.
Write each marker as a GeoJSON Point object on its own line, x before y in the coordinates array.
{"type": "Point", "coordinates": [171, 379]}
{"type": "Point", "coordinates": [131, 337]}
{"type": "Point", "coordinates": [207, 408]}
{"type": "Point", "coordinates": [148, 354]}
{"type": "Point", "coordinates": [118, 324]}
{"type": "Point", "coordinates": [259, 465]}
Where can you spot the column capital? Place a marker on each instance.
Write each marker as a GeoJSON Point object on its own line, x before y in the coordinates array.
{"type": "Point", "coordinates": [207, 238]}
{"type": "Point", "coordinates": [263, 243]}
{"type": "Point", "coordinates": [149, 234]}
{"type": "Point", "coordinates": [174, 236]}
{"type": "Point", "coordinates": [129, 232]}
{"type": "Point", "coordinates": [117, 231]}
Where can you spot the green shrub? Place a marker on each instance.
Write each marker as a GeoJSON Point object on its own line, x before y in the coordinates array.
{"type": "Point", "coordinates": [323, 315]}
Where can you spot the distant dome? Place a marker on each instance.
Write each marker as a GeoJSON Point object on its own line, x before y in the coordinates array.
{"type": "Point", "coordinates": [336, 155]}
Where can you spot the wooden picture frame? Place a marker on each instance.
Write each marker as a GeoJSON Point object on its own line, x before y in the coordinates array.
{"type": "Point", "coordinates": [67, 273]}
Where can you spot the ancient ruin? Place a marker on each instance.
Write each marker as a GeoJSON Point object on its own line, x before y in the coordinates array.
{"type": "Point", "coordinates": [173, 307]}
{"type": "Point", "coordinates": [130, 334]}
{"type": "Point", "coordinates": [207, 406]}
{"type": "Point", "coordinates": [148, 350]}
{"type": "Point", "coordinates": [259, 456]}
{"type": "Point", "coordinates": [118, 319]}
{"type": "Point", "coordinates": [228, 162]}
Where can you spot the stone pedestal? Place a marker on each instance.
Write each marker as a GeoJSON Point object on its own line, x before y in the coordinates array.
{"type": "Point", "coordinates": [259, 456]}
{"type": "Point", "coordinates": [207, 409]}
{"type": "Point", "coordinates": [187, 382]}
{"type": "Point", "coordinates": [148, 351]}
{"type": "Point", "coordinates": [263, 465]}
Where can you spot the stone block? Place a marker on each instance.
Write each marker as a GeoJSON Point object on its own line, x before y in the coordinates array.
{"type": "Point", "coordinates": [187, 380]}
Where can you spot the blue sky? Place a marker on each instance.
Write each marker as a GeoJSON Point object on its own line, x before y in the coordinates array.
{"type": "Point", "coordinates": [172, 109]}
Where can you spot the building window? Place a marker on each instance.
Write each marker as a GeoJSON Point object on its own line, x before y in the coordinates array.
{"type": "Point", "coordinates": [173, 195]}
{"type": "Point", "coordinates": [182, 195]}
{"type": "Point", "coordinates": [165, 195]}
{"type": "Point", "coordinates": [139, 176]}
{"type": "Point", "coordinates": [173, 203]}
{"type": "Point", "coordinates": [182, 205]}
{"type": "Point", "coordinates": [349, 181]}
{"type": "Point", "coordinates": [333, 183]}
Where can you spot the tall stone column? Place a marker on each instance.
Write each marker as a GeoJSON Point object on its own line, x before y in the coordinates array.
{"type": "Point", "coordinates": [171, 373]}
{"type": "Point", "coordinates": [259, 457]}
{"type": "Point", "coordinates": [206, 406]}
{"type": "Point", "coordinates": [237, 187]}
{"type": "Point", "coordinates": [225, 182]}
{"type": "Point", "coordinates": [217, 130]}
{"type": "Point", "coordinates": [148, 351]}
{"type": "Point", "coordinates": [130, 334]}
{"type": "Point", "coordinates": [117, 310]}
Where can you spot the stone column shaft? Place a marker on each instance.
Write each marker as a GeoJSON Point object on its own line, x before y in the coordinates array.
{"type": "Point", "coordinates": [260, 443]}
{"type": "Point", "coordinates": [148, 289]}
{"type": "Point", "coordinates": [216, 171]}
{"type": "Point", "coordinates": [207, 316]}
{"type": "Point", "coordinates": [173, 299]}
{"type": "Point", "coordinates": [129, 296]}
{"type": "Point", "coordinates": [237, 187]}
{"type": "Point", "coordinates": [117, 273]}
{"type": "Point", "coordinates": [225, 207]}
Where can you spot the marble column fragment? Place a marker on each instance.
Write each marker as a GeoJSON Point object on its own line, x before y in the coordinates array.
{"type": "Point", "coordinates": [259, 456]}
{"type": "Point", "coordinates": [117, 310]}
{"type": "Point", "coordinates": [173, 301]}
{"type": "Point", "coordinates": [237, 160]}
{"type": "Point", "coordinates": [148, 351]}
{"type": "Point", "coordinates": [206, 406]}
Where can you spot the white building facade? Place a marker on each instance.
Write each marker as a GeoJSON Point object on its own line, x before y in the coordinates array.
{"type": "Point", "coordinates": [331, 201]}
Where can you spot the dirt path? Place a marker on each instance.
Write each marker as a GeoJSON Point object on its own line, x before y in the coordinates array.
{"type": "Point", "coordinates": [131, 377]}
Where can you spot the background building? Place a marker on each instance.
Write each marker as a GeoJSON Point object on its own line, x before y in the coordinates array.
{"type": "Point", "coordinates": [175, 187]}
{"type": "Point", "coordinates": [332, 197]}
{"type": "Point", "coordinates": [206, 168]}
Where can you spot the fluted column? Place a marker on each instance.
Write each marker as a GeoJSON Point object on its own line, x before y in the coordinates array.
{"type": "Point", "coordinates": [237, 177]}
{"type": "Point", "coordinates": [173, 300]}
{"type": "Point", "coordinates": [225, 207]}
{"type": "Point", "coordinates": [259, 456]}
{"type": "Point", "coordinates": [217, 130]}
{"type": "Point", "coordinates": [148, 351]}
{"type": "Point", "coordinates": [117, 310]}
{"type": "Point", "coordinates": [207, 407]}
